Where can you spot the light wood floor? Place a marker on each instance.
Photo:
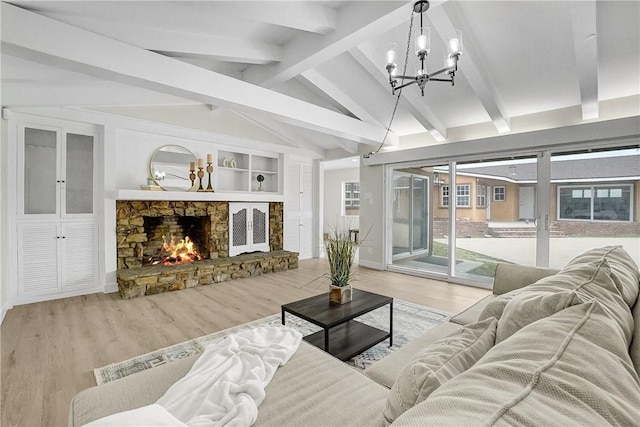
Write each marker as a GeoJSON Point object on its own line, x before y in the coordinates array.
{"type": "Point", "coordinates": [49, 349]}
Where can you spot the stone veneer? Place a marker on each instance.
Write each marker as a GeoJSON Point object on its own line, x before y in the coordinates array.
{"type": "Point", "coordinates": [131, 236]}
{"type": "Point", "coordinates": [137, 282]}
{"type": "Point", "coordinates": [134, 280]}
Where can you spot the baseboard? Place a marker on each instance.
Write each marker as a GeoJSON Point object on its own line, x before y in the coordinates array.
{"type": "Point", "coordinates": [5, 308]}
{"type": "Point", "coordinates": [110, 288]}
{"type": "Point", "coordinates": [371, 264]}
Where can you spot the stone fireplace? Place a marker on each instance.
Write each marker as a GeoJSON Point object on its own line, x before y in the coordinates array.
{"type": "Point", "coordinates": [144, 227]}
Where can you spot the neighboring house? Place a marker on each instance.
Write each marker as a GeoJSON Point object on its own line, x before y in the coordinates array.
{"type": "Point", "coordinates": [593, 190]}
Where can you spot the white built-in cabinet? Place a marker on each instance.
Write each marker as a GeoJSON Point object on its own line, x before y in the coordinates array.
{"type": "Point", "coordinates": [248, 227]}
{"type": "Point", "coordinates": [57, 221]}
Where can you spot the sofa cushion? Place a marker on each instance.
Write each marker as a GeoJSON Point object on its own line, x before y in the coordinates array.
{"type": "Point", "coordinates": [386, 370]}
{"type": "Point", "coordinates": [587, 280]}
{"type": "Point", "coordinates": [437, 364]}
{"type": "Point", "coordinates": [509, 277]}
{"type": "Point", "coordinates": [471, 314]}
{"type": "Point", "coordinates": [634, 350]}
{"type": "Point", "coordinates": [624, 270]}
{"type": "Point", "coordinates": [571, 368]}
{"type": "Point", "coordinates": [316, 389]}
{"type": "Point", "coordinates": [527, 307]}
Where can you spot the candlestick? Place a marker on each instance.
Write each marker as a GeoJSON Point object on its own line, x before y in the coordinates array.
{"type": "Point", "coordinates": [200, 163]}
{"type": "Point", "coordinates": [200, 176]}
{"type": "Point", "coordinates": [192, 175]}
{"type": "Point", "coordinates": [209, 158]}
{"type": "Point", "coordinates": [209, 171]}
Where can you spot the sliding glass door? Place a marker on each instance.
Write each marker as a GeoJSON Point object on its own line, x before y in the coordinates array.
{"type": "Point", "coordinates": [536, 209]}
{"type": "Point", "coordinates": [417, 232]}
{"type": "Point", "coordinates": [594, 203]}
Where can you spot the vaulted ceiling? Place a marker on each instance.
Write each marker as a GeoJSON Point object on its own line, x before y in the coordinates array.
{"type": "Point", "coordinates": [310, 74]}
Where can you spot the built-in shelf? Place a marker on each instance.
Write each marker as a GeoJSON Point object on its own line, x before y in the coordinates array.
{"type": "Point", "coordinates": [247, 196]}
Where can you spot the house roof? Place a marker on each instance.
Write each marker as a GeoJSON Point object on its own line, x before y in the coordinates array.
{"type": "Point", "coordinates": [613, 168]}
{"type": "Point", "coordinates": [310, 73]}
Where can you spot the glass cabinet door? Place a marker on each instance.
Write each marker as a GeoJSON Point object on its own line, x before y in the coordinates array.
{"type": "Point", "coordinates": [40, 160]}
{"type": "Point", "coordinates": [79, 174]}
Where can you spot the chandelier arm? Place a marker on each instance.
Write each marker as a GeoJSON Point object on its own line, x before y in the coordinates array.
{"type": "Point", "coordinates": [406, 84]}
{"type": "Point", "coordinates": [444, 70]}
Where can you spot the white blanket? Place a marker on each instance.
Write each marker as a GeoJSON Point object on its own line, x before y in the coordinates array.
{"type": "Point", "coordinates": [226, 384]}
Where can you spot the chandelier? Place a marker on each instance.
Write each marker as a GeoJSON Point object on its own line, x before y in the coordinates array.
{"type": "Point", "coordinates": [422, 49]}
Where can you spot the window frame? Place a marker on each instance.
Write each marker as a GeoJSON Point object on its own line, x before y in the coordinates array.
{"type": "Point", "coordinates": [494, 194]}
{"type": "Point", "coordinates": [354, 200]}
{"type": "Point", "coordinates": [592, 191]}
{"type": "Point", "coordinates": [467, 189]}
{"type": "Point", "coordinates": [444, 197]}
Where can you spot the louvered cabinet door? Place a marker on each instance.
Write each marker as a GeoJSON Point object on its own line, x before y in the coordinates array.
{"type": "Point", "coordinates": [79, 256]}
{"type": "Point", "coordinates": [38, 250]}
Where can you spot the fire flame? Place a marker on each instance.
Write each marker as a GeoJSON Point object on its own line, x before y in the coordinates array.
{"type": "Point", "coordinates": [178, 253]}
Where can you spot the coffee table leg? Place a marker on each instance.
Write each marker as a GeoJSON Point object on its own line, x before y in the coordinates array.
{"type": "Point", "coordinates": [391, 324]}
{"type": "Point", "coordinates": [326, 340]}
{"type": "Point", "coordinates": [283, 316]}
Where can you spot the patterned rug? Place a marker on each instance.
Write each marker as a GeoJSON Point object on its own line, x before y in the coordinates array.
{"type": "Point", "coordinates": [409, 321]}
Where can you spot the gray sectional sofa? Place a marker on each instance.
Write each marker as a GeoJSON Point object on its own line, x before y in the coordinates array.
{"type": "Point", "coordinates": [546, 348]}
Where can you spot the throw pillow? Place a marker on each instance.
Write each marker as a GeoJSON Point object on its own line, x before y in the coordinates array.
{"type": "Point", "coordinates": [527, 307]}
{"type": "Point", "coordinates": [437, 364]}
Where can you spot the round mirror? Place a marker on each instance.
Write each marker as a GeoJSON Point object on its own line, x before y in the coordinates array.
{"type": "Point", "coordinates": [169, 167]}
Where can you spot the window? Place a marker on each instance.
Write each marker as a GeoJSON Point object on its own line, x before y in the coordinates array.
{"type": "Point", "coordinates": [463, 195]}
{"type": "Point", "coordinates": [499, 193]}
{"type": "Point", "coordinates": [444, 196]}
{"type": "Point", "coordinates": [595, 203]}
{"type": "Point", "coordinates": [481, 196]}
{"type": "Point", "coordinates": [351, 198]}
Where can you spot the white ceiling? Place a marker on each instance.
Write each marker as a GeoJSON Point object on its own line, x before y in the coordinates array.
{"type": "Point", "coordinates": [311, 72]}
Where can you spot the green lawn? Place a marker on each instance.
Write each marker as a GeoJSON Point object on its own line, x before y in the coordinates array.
{"type": "Point", "coordinates": [488, 267]}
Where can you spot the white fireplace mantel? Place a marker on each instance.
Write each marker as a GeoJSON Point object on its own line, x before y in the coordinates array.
{"type": "Point", "coordinates": [199, 197]}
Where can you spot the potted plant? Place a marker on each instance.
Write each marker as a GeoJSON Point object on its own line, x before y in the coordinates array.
{"type": "Point", "coordinates": [341, 251]}
{"type": "Point", "coordinates": [260, 178]}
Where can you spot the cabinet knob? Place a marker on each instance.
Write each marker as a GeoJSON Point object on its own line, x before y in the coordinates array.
{"type": "Point", "coordinates": [64, 237]}
{"type": "Point", "coordinates": [58, 181]}
{"type": "Point", "coordinates": [57, 237]}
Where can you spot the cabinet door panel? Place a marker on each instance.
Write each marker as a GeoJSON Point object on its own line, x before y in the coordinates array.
{"type": "Point", "coordinates": [79, 174]}
{"type": "Point", "coordinates": [40, 175]}
{"type": "Point", "coordinates": [79, 256]}
{"type": "Point", "coordinates": [38, 259]}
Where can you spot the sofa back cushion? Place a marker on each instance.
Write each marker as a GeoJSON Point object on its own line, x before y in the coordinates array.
{"type": "Point", "coordinates": [587, 280]}
{"type": "Point", "coordinates": [634, 350]}
{"type": "Point", "coordinates": [528, 307]}
{"type": "Point", "coordinates": [624, 270]}
{"type": "Point", "coordinates": [437, 364]}
{"type": "Point", "coordinates": [571, 368]}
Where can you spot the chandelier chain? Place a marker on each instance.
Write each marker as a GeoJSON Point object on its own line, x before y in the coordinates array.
{"type": "Point", "coordinates": [404, 73]}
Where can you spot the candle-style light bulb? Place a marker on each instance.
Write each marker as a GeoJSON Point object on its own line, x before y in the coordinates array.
{"type": "Point", "coordinates": [390, 56]}
{"type": "Point", "coordinates": [454, 42]}
{"type": "Point", "coordinates": [423, 42]}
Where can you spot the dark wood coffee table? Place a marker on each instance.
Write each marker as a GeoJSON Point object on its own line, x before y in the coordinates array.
{"type": "Point", "coordinates": [342, 336]}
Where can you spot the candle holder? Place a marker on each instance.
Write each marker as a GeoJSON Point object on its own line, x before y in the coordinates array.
{"type": "Point", "coordinates": [192, 177]}
{"type": "Point", "coordinates": [209, 171]}
{"type": "Point", "coordinates": [200, 176]}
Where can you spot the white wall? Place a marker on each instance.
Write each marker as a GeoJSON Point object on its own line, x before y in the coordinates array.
{"type": "Point", "coordinates": [372, 216]}
{"type": "Point", "coordinates": [332, 211]}
{"type": "Point", "coordinates": [4, 138]}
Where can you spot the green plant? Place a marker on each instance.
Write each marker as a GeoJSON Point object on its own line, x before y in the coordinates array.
{"type": "Point", "coordinates": [341, 251]}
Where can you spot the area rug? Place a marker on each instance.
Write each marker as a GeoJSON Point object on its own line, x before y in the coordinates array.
{"type": "Point", "coordinates": [409, 321]}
